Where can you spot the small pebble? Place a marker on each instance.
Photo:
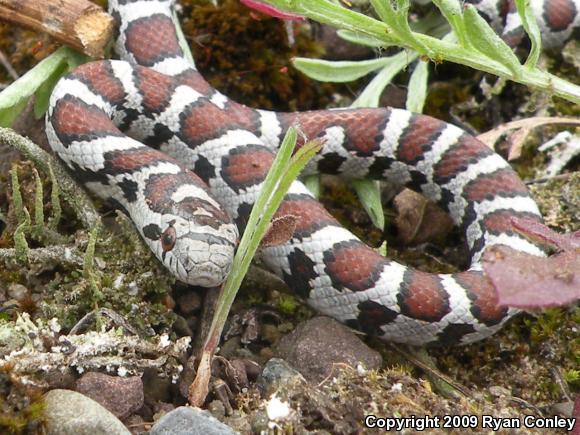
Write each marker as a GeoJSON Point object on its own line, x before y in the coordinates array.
{"type": "Point", "coordinates": [190, 421]}
{"type": "Point", "coordinates": [319, 344]}
{"type": "Point", "coordinates": [278, 373]}
{"type": "Point", "coordinates": [70, 413]}
{"type": "Point", "coordinates": [121, 396]}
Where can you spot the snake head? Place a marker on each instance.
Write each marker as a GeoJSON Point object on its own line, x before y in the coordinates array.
{"type": "Point", "coordinates": [195, 254]}
{"type": "Point", "coordinates": [187, 230]}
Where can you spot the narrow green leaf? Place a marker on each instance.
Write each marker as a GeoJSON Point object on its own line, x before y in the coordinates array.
{"type": "Point", "coordinates": [532, 29]}
{"type": "Point", "coordinates": [337, 71]}
{"type": "Point", "coordinates": [361, 39]}
{"type": "Point", "coordinates": [45, 90]}
{"type": "Point", "coordinates": [452, 11]}
{"type": "Point", "coordinates": [181, 39]}
{"type": "Point", "coordinates": [312, 183]}
{"type": "Point", "coordinates": [283, 172]}
{"type": "Point", "coordinates": [9, 114]}
{"type": "Point", "coordinates": [13, 98]}
{"type": "Point", "coordinates": [398, 22]}
{"type": "Point", "coordinates": [370, 96]}
{"type": "Point", "coordinates": [369, 193]}
{"type": "Point", "coordinates": [275, 173]}
{"type": "Point", "coordinates": [487, 42]}
{"type": "Point", "coordinates": [383, 249]}
{"type": "Point", "coordinates": [417, 91]}
{"type": "Point", "coordinates": [75, 58]}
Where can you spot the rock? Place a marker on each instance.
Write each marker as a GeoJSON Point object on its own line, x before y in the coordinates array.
{"type": "Point", "coordinates": [68, 412]}
{"type": "Point", "coordinates": [64, 380]}
{"type": "Point", "coordinates": [190, 421]}
{"type": "Point", "coordinates": [17, 291]}
{"type": "Point", "coordinates": [317, 344]}
{"type": "Point", "coordinates": [121, 396]}
{"type": "Point", "coordinates": [278, 373]}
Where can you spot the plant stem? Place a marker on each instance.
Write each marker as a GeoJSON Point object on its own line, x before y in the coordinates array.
{"type": "Point", "coordinates": [339, 17]}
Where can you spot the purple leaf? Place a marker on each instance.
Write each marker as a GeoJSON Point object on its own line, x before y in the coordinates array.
{"type": "Point", "coordinates": [526, 281]}
{"type": "Point", "coordinates": [537, 231]}
{"type": "Point", "coordinates": [271, 10]}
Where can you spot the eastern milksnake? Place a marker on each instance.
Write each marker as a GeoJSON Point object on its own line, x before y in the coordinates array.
{"type": "Point", "coordinates": [102, 115]}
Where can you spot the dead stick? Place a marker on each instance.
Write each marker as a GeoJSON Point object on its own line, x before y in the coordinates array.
{"type": "Point", "coordinates": [77, 23]}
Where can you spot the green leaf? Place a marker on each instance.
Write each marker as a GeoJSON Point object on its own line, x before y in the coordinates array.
{"type": "Point", "coordinates": [182, 41]}
{"type": "Point", "coordinates": [487, 42]}
{"type": "Point", "coordinates": [312, 183]}
{"type": "Point", "coordinates": [45, 90]}
{"type": "Point", "coordinates": [9, 114]}
{"type": "Point", "coordinates": [371, 94]}
{"type": "Point", "coordinates": [531, 27]}
{"type": "Point", "coordinates": [13, 99]}
{"type": "Point", "coordinates": [283, 172]}
{"type": "Point", "coordinates": [369, 193]}
{"type": "Point", "coordinates": [398, 22]}
{"type": "Point", "coordinates": [337, 71]}
{"type": "Point", "coordinates": [417, 91]}
{"type": "Point", "coordinates": [361, 39]}
{"type": "Point", "coordinates": [452, 11]}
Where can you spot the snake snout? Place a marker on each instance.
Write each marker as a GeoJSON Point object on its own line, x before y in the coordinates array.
{"type": "Point", "coordinates": [208, 274]}
{"type": "Point", "coordinates": [209, 266]}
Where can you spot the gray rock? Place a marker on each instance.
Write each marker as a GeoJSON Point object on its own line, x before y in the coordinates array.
{"type": "Point", "coordinates": [319, 343]}
{"type": "Point", "coordinates": [190, 421]}
{"type": "Point", "coordinates": [122, 396]}
{"type": "Point", "coordinates": [17, 291]}
{"type": "Point", "coordinates": [278, 373]}
{"type": "Point", "coordinates": [68, 412]}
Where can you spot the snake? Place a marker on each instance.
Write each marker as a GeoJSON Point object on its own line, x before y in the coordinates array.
{"type": "Point", "coordinates": [558, 20]}
{"type": "Point", "coordinates": [186, 163]}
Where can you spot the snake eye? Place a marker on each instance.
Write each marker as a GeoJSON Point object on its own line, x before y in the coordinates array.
{"type": "Point", "coordinates": [168, 238]}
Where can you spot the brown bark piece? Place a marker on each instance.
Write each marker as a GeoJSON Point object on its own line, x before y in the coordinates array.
{"type": "Point", "coordinates": [76, 23]}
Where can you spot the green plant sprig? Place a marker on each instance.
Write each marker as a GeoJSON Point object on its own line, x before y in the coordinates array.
{"type": "Point", "coordinates": [282, 174]}
{"type": "Point", "coordinates": [476, 44]}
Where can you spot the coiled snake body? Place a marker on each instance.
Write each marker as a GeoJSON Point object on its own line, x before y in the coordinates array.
{"type": "Point", "coordinates": [105, 117]}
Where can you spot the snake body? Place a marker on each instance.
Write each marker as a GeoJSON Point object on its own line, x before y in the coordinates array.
{"type": "Point", "coordinates": [135, 131]}
{"type": "Point", "coordinates": [558, 20]}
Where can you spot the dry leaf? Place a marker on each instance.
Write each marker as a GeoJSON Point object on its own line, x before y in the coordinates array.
{"type": "Point", "coordinates": [523, 127]}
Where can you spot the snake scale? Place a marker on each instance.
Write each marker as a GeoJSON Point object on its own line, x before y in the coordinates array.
{"type": "Point", "coordinates": [186, 163]}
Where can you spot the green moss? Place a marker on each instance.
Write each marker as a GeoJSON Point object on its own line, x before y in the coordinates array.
{"type": "Point", "coordinates": [288, 304]}
{"type": "Point", "coordinates": [21, 406]}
